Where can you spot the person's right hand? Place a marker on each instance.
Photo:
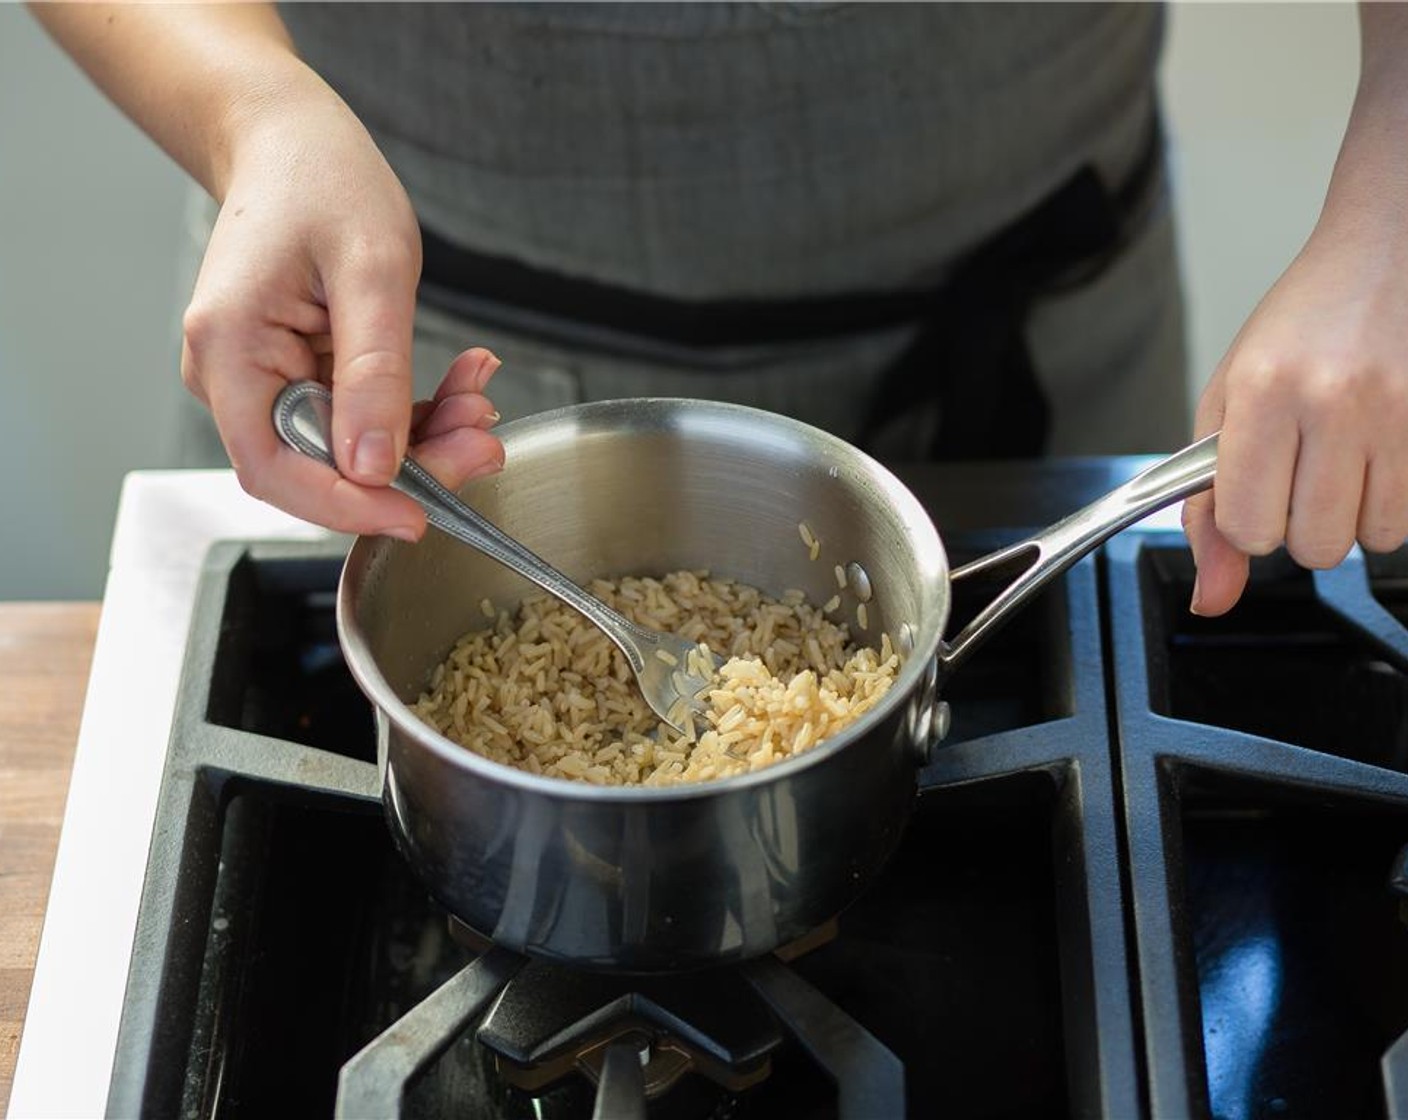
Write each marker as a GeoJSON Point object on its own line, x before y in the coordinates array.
{"type": "Point", "coordinates": [311, 271]}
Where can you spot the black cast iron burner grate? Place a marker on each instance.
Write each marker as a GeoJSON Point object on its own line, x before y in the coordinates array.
{"type": "Point", "coordinates": [1262, 773]}
{"type": "Point", "coordinates": [1145, 877]}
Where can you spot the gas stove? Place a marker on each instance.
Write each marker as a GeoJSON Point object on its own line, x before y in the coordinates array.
{"type": "Point", "coordinates": [1159, 867]}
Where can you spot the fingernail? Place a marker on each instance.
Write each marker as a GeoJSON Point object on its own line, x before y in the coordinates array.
{"type": "Point", "coordinates": [489, 419]}
{"type": "Point", "coordinates": [1196, 605]}
{"type": "Point", "coordinates": [493, 466]}
{"type": "Point", "coordinates": [402, 533]}
{"type": "Point", "coordinates": [375, 455]}
{"type": "Point", "coordinates": [488, 366]}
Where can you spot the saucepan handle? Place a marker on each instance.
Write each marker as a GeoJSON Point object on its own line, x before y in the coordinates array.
{"type": "Point", "coordinates": [1053, 550]}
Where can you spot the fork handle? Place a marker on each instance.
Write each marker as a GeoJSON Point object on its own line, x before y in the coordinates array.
{"type": "Point", "coordinates": [303, 420]}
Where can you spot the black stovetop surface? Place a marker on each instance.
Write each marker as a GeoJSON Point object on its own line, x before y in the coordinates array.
{"type": "Point", "coordinates": [1148, 874]}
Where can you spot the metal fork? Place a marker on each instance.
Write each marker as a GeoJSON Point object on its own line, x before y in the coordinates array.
{"type": "Point", "coordinates": [666, 666]}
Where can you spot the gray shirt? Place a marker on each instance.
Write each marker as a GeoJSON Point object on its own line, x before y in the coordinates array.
{"type": "Point", "coordinates": [737, 150]}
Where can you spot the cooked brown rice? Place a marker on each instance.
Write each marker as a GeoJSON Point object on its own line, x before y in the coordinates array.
{"type": "Point", "coordinates": [547, 692]}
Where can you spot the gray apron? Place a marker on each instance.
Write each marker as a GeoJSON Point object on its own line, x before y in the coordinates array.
{"type": "Point", "coordinates": [768, 152]}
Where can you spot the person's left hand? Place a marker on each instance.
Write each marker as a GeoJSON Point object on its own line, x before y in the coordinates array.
{"type": "Point", "coordinates": [1312, 400]}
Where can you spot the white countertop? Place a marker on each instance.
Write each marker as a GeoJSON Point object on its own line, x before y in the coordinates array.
{"type": "Point", "coordinates": [165, 523]}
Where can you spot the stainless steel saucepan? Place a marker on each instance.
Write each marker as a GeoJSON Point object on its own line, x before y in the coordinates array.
{"type": "Point", "coordinates": [647, 879]}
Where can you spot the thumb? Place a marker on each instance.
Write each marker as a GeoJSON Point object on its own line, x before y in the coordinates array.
{"type": "Point", "coordinates": [371, 308]}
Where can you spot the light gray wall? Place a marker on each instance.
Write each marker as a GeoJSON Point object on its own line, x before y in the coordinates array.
{"type": "Point", "coordinates": [90, 217]}
{"type": "Point", "coordinates": [1257, 97]}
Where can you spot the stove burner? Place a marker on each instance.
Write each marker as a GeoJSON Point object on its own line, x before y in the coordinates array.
{"type": "Point", "coordinates": [550, 1021]}
{"type": "Point", "coordinates": [635, 1039]}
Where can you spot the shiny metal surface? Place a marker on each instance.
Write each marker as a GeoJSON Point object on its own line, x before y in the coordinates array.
{"type": "Point", "coordinates": [303, 419]}
{"type": "Point", "coordinates": [1057, 547]}
{"type": "Point", "coordinates": [647, 879]}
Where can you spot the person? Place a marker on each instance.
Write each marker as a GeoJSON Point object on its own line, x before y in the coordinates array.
{"type": "Point", "coordinates": [931, 228]}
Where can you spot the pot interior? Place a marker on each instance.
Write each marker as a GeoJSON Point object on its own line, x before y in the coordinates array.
{"type": "Point", "coordinates": [645, 487]}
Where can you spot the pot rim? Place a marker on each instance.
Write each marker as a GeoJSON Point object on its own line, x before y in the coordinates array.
{"type": "Point", "coordinates": [928, 633]}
